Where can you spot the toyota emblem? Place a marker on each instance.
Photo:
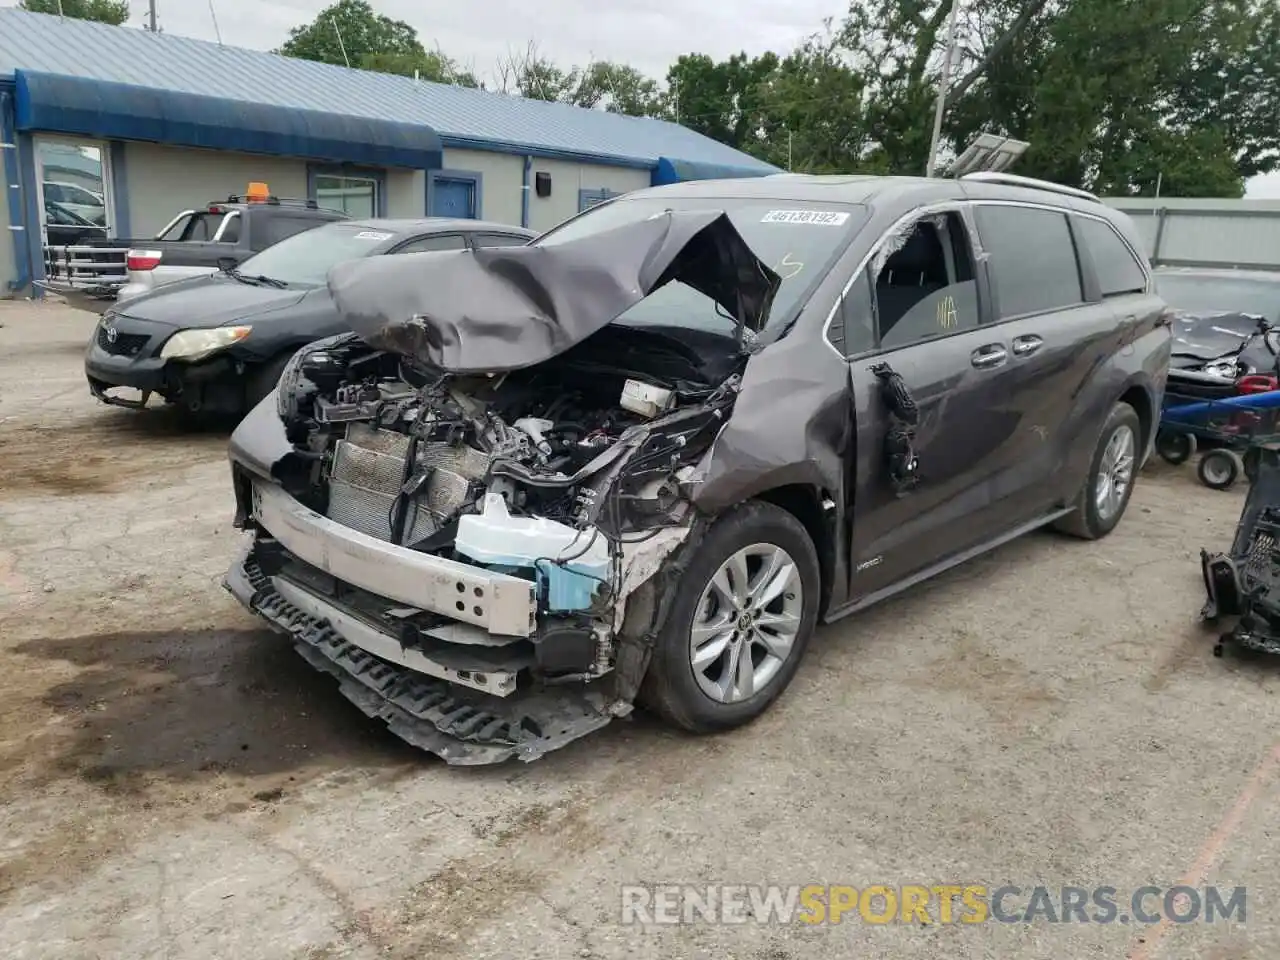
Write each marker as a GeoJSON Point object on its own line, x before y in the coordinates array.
{"type": "Point", "coordinates": [112, 334]}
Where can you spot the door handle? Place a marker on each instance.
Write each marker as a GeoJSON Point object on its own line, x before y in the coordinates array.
{"type": "Point", "coordinates": [1025, 346]}
{"type": "Point", "coordinates": [991, 355]}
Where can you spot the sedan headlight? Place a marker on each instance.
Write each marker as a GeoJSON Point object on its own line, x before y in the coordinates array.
{"type": "Point", "coordinates": [194, 345]}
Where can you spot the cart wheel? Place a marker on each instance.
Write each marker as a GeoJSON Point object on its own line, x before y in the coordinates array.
{"type": "Point", "coordinates": [1219, 469]}
{"type": "Point", "coordinates": [1175, 448]}
{"type": "Point", "coordinates": [1252, 461]}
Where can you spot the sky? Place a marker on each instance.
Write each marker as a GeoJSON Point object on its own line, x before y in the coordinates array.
{"type": "Point", "coordinates": [648, 34]}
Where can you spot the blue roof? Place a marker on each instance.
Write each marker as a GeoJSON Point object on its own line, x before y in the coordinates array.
{"type": "Point", "coordinates": [195, 92]}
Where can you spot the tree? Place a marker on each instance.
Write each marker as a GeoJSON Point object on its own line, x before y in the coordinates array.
{"type": "Point", "coordinates": [350, 31]}
{"type": "Point", "coordinates": [114, 12]}
{"type": "Point", "coordinates": [725, 100]}
{"type": "Point", "coordinates": [812, 109]}
{"type": "Point", "coordinates": [433, 66]}
{"type": "Point", "coordinates": [1117, 95]}
{"type": "Point", "coordinates": [614, 87]}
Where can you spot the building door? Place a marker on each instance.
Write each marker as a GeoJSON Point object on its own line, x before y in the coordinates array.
{"type": "Point", "coordinates": [355, 196]}
{"type": "Point", "coordinates": [453, 197]}
{"type": "Point", "coordinates": [73, 180]}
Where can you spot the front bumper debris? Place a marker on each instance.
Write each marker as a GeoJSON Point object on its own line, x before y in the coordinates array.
{"type": "Point", "coordinates": [500, 604]}
{"type": "Point", "coordinates": [459, 725]}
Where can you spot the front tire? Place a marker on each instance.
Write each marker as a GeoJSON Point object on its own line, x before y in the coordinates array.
{"type": "Point", "coordinates": [1107, 489]}
{"type": "Point", "coordinates": [262, 379]}
{"type": "Point", "coordinates": [740, 624]}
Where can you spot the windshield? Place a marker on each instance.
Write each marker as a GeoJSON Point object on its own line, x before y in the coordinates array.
{"type": "Point", "coordinates": [1205, 293]}
{"type": "Point", "coordinates": [799, 240]}
{"type": "Point", "coordinates": [304, 259]}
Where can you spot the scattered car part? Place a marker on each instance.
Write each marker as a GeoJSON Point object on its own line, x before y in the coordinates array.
{"type": "Point", "coordinates": [1244, 583]}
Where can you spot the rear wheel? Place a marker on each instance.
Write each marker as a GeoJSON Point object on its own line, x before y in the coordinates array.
{"type": "Point", "coordinates": [739, 626]}
{"type": "Point", "coordinates": [1105, 495]}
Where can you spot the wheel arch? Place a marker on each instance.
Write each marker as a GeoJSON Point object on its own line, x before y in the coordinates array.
{"type": "Point", "coordinates": [1138, 396]}
{"type": "Point", "coordinates": [805, 502]}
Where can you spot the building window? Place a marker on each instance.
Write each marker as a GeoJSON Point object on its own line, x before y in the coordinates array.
{"type": "Point", "coordinates": [355, 196]}
{"type": "Point", "coordinates": [589, 198]}
{"type": "Point", "coordinates": [74, 180]}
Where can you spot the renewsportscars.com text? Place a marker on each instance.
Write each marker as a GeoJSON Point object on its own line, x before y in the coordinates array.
{"type": "Point", "coordinates": [928, 904]}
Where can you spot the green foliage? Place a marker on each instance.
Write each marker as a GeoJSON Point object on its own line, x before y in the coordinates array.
{"type": "Point", "coordinates": [1112, 95]}
{"type": "Point", "coordinates": [114, 12]}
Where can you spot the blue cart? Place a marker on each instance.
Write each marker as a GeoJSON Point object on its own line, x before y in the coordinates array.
{"type": "Point", "coordinates": [1232, 428]}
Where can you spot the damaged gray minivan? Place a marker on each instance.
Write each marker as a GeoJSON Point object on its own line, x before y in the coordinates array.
{"type": "Point", "coordinates": [641, 458]}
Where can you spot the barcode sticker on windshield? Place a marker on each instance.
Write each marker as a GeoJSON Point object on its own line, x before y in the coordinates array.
{"type": "Point", "coordinates": [819, 218]}
{"type": "Point", "coordinates": [372, 235]}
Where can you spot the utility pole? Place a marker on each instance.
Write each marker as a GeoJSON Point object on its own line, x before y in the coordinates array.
{"type": "Point", "coordinates": [151, 16]}
{"type": "Point", "coordinates": [942, 88]}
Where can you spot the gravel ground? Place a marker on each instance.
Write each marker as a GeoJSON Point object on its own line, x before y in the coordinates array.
{"type": "Point", "coordinates": [175, 782]}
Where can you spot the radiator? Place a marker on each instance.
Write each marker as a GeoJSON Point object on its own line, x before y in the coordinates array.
{"type": "Point", "coordinates": [369, 467]}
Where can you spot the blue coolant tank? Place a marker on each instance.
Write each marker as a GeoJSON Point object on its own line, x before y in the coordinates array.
{"type": "Point", "coordinates": [493, 538]}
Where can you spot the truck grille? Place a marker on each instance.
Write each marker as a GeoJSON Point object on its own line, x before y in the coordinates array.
{"type": "Point", "coordinates": [124, 344]}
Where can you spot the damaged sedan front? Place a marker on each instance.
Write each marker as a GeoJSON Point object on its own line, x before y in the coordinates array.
{"type": "Point", "coordinates": [480, 508]}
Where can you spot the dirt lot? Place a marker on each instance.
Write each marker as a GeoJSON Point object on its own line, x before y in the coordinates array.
{"type": "Point", "coordinates": [175, 782]}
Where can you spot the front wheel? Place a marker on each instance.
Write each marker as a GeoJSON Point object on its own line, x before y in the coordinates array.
{"type": "Point", "coordinates": [743, 617]}
{"type": "Point", "coordinates": [1107, 489]}
{"type": "Point", "coordinates": [262, 379]}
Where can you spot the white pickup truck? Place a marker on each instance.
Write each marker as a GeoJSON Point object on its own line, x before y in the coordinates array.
{"type": "Point", "coordinates": [94, 273]}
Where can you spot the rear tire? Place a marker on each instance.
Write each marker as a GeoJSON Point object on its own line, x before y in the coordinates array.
{"type": "Point", "coordinates": [685, 692]}
{"type": "Point", "coordinates": [1109, 485]}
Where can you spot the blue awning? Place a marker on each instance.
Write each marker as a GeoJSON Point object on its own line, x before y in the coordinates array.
{"type": "Point", "coordinates": [671, 170]}
{"type": "Point", "coordinates": [120, 111]}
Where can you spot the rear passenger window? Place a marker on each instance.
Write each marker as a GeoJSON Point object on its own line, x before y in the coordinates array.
{"type": "Point", "coordinates": [1118, 270]}
{"type": "Point", "coordinates": [925, 286]}
{"type": "Point", "coordinates": [1033, 259]}
{"type": "Point", "coordinates": [498, 240]}
{"type": "Point", "coordinates": [450, 241]}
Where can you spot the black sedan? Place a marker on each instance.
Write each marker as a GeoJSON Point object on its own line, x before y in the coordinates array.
{"type": "Point", "coordinates": [216, 344]}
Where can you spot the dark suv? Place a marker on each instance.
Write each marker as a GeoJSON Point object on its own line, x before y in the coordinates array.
{"type": "Point", "coordinates": [643, 456]}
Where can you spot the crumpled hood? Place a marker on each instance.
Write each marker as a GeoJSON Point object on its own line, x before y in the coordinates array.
{"type": "Point", "coordinates": [505, 308]}
{"type": "Point", "coordinates": [1208, 336]}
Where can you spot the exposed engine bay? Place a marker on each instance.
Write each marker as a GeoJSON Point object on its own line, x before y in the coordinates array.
{"type": "Point", "coordinates": [570, 475]}
{"type": "Point", "coordinates": [405, 452]}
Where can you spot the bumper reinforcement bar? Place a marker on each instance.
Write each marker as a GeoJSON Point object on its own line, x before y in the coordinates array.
{"type": "Point", "coordinates": [430, 714]}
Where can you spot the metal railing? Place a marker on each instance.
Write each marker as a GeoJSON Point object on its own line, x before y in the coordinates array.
{"type": "Point", "coordinates": [86, 270]}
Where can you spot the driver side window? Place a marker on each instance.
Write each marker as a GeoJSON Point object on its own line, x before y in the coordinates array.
{"type": "Point", "coordinates": [924, 282]}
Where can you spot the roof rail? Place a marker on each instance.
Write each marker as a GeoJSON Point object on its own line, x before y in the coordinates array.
{"type": "Point", "coordinates": [1013, 180]}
